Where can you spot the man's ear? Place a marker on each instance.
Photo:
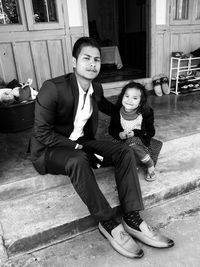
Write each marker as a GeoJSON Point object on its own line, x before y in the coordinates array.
{"type": "Point", "coordinates": [74, 62]}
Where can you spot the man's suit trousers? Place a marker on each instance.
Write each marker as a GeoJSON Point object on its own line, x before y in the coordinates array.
{"type": "Point", "coordinates": [75, 163]}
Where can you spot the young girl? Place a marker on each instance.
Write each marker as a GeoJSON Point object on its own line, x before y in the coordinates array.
{"type": "Point", "coordinates": [133, 123]}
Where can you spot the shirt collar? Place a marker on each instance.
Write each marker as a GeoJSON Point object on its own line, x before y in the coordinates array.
{"type": "Point", "coordinates": [89, 91]}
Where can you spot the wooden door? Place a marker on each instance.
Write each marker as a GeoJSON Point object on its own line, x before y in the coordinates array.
{"type": "Point", "coordinates": [35, 41]}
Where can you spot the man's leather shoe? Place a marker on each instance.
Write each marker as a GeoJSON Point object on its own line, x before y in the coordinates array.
{"type": "Point", "coordinates": [120, 240]}
{"type": "Point", "coordinates": [148, 236]}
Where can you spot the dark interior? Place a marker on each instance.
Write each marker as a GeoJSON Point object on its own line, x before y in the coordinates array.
{"type": "Point", "coordinates": [120, 23]}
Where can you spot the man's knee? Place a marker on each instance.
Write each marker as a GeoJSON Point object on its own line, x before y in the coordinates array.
{"type": "Point", "coordinates": [79, 170]}
{"type": "Point", "coordinates": [77, 159]}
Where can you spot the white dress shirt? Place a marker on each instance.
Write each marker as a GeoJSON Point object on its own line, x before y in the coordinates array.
{"type": "Point", "coordinates": [83, 113]}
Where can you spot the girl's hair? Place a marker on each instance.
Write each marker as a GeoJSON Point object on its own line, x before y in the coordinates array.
{"type": "Point", "coordinates": [138, 86]}
{"type": "Point", "coordinates": [83, 42]}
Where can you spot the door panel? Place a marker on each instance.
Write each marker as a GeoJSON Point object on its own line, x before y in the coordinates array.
{"type": "Point", "coordinates": [161, 55]}
{"type": "Point", "coordinates": [7, 62]}
{"type": "Point", "coordinates": [24, 62]}
{"type": "Point", "coordinates": [56, 58]}
{"type": "Point", "coordinates": [40, 59]}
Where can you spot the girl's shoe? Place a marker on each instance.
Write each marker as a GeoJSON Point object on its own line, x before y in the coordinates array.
{"type": "Point", "coordinates": [151, 176]}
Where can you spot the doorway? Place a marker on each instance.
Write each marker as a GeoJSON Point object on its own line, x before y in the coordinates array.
{"type": "Point", "coordinates": [121, 24]}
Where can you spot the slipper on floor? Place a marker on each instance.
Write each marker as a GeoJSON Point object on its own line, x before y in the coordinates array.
{"type": "Point", "coordinates": [164, 84]}
{"type": "Point", "coordinates": [150, 177]}
{"type": "Point", "coordinates": [157, 85]}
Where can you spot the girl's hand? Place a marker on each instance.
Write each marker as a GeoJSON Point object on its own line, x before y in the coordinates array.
{"type": "Point", "coordinates": [123, 135]}
{"type": "Point", "coordinates": [130, 134]}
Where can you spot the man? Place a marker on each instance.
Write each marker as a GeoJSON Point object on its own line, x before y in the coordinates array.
{"type": "Point", "coordinates": [63, 142]}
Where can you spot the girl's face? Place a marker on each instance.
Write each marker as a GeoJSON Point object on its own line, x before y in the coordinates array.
{"type": "Point", "coordinates": [131, 99]}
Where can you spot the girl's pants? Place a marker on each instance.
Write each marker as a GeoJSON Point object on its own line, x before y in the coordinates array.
{"type": "Point", "coordinates": [142, 155]}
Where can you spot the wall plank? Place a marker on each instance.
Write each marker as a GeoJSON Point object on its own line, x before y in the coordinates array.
{"type": "Point", "coordinates": [184, 42]}
{"type": "Point", "coordinates": [162, 53]}
{"type": "Point", "coordinates": [24, 62]}
{"type": "Point", "coordinates": [7, 63]}
{"type": "Point", "coordinates": [56, 52]}
{"type": "Point", "coordinates": [195, 41]}
{"type": "Point", "coordinates": [174, 44]}
{"type": "Point", "coordinates": [41, 61]}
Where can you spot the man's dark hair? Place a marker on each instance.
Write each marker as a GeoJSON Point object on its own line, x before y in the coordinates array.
{"type": "Point", "coordinates": [138, 86]}
{"type": "Point", "coordinates": [83, 42]}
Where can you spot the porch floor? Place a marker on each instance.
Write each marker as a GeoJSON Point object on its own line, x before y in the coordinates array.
{"type": "Point", "coordinates": [37, 210]}
{"type": "Point", "coordinates": [124, 74]}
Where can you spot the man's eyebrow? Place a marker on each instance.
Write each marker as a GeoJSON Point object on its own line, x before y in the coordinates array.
{"type": "Point", "coordinates": [87, 55]}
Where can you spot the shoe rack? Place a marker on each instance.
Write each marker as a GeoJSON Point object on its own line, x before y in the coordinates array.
{"type": "Point", "coordinates": [184, 75]}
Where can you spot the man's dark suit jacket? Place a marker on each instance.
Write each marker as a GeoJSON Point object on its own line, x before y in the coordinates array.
{"type": "Point", "coordinates": [147, 129]}
{"type": "Point", "coordinates": [55, 111]}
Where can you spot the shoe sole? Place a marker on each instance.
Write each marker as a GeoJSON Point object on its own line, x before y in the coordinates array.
{"type": "Point", "coordinates": [145, 239]}
{"type": "Point", "coordinates": [150, 179]}
{"type": "Point", "coordinates": [158, 90]}
{"type": "Point", "coordinates": [116, 246]}
{"type": "Point", "coordinates": [165, 89]}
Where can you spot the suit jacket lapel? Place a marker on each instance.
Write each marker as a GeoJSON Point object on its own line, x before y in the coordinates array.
{"type": "Point", "coordinates": [75, 92]}
{"type": "Point", "coordinates": [94, 114]}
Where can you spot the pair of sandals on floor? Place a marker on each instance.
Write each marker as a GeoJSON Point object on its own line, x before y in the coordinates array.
{"type": "Point", "coordinates": [161, 85]}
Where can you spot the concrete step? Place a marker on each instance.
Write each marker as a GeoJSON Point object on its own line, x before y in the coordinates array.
{"type": "Point", "coordinates": [26, 181]}
{"type": "Point", "coordinates": [46, 209]}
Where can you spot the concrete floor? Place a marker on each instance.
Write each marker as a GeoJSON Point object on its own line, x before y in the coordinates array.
{"type": "Point", "coordinates": [178, 219]}
{"type": "Point", "coordinates": [176, 116]}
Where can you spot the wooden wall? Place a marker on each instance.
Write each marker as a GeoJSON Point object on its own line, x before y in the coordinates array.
{"type": "Point", "coordinates": [185, 39]}
{"type": "Point", "coordinates": [36, 59]}
{"type": "Point", "coordinates": [35, 52]}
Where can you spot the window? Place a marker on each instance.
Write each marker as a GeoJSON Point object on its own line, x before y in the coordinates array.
{"type": "Point", "coordinates": [181, 9]}
{"type": "Point", "coordinates": [9, 12]}
{"type": "Point", "coordinates": [11, 16]}
{"type": "Point", "coordinates": [23, 15]}
{"type": "Point", "coordinates": [197, 10]}
{"type": "Point", "coordinates": [44, 14]}
{"type": "Point", "coordinates": [44, 11]}
{"type": "Point", "coordinates": [185, 11]}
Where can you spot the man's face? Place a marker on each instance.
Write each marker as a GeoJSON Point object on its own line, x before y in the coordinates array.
{"type": "Point", "coordinates": [88, 63]}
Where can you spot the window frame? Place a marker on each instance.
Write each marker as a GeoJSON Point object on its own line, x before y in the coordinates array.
{"type": "Point", "coordinates": [191, 14]}
{"type": "Point", "coordinates": [43, 25]}
{"type": "Point", "coordinates": [27, 21]}
{"type": "Point", "coordinates": [195, 20]}
{"type": "Point", "coordinates": [16, 27]}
